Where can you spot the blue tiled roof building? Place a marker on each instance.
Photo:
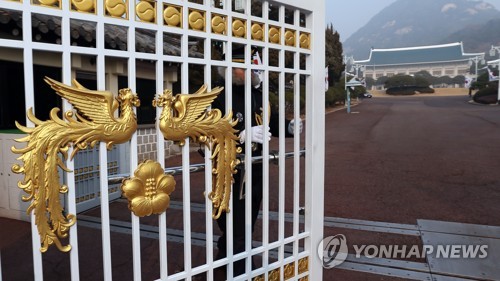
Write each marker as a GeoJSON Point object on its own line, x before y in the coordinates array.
{"type": "Point", "coordinates": [439, 60]}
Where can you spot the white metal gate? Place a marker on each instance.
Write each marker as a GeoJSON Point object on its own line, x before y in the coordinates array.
{"type": "Point", "coordinates": [177, 44]}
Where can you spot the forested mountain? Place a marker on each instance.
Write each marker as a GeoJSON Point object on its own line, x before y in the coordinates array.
{"type": "Point", "coordinates": [407, 23]}
{"type": "Point", "coordinates": [479, 37]}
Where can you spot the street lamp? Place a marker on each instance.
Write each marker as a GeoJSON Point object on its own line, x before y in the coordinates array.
{"type": "Point", "coordinates": [358, 67]}
{"type": "Point", "coordinates": [349, 64]}
{"type": "Point", "coordinates": [475, 60]}
{"type": "Point", "coordinates": [352, 83]}
{"type": "Point", "coordinates": [496, 49]}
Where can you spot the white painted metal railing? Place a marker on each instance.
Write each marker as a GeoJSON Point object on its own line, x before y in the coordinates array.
{"type": "Point", "coordinates": [312, 13]}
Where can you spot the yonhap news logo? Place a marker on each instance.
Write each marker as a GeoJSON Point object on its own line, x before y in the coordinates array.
{"type": "Point", "coordinates": [333, 251]}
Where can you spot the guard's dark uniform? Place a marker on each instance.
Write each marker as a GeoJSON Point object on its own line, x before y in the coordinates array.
{"type": "Point", "coordinates": [238, 208]}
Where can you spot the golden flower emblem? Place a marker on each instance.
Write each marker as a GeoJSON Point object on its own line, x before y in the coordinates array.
{"type": "Point", "coordinates": [148, 192]}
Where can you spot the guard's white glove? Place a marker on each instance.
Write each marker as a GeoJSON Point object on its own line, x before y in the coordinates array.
{"type": "Point", "coordinates": [257, 134]}
{"type": "Point", "coordinates": [293, 123]}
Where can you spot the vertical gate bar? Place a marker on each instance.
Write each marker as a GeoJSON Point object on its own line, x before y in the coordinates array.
{"type": "Point", "coordinates": [297, 137]}
{"type": "Point", "coordinates": [248, 156]}
{"type": "Point", "coordinates": [208, 172]}
{"type": "Point", "coordinates": [136, 244]}
{"type": "Point", "coordinates": [229, 103]}
{"type": "Point", "coordinates": [73, 232]}
{"type": "Point", "coordinates": [281, 172]}
{"type": "Point", "coordinates": [315, 139]}
{"type": "Point", "coordinates": [296, 165]}
{"type": "Point", "coordinates": [265, 174]}
{"type": "Point", "coordinates": [1, 266]}
{"type": "Point", "coordinates": [282, 95]}
{"type": "Point", "coordinates": [136, 234]}
{"type": "Point", "coordinates": [30, 103]}
{"type": "Point", "coordinates": [70, 164]}
{"type": "Point", "coordinates": [103, 171]}
{"type": "Point", "coordinates": [162, 225]}
{"type": "Point", "coordinates": [106, 240]}
{"type": "Point", "coordinates": [208, 216]}
{"type": "Point", "coordinates": [186, 196]}
{"type": "Point", "coordinates": [160, 148]}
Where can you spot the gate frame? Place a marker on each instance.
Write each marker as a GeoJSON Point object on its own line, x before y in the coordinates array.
{"type": "Point", "coordinates": [315, 124]}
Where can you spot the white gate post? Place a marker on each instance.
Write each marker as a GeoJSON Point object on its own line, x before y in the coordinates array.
{"type": "Point", "coordinates": [315, 141]}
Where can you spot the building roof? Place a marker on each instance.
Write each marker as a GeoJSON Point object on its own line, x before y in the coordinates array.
{"type": "Point", "coordinates": [418, 55]}
{"type": "Point", "coordinates": [494, 62]}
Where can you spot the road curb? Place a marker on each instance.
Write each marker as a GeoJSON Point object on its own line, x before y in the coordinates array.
{"type": "Point", "coordinates": [480, 104]}
{"type": "Point", "coordinates": [341, 108]}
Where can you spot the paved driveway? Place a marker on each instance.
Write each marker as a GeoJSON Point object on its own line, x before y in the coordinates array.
{"type": "Point", "coordinates": [406, 158]}
{"type": "Point", "coordinates": [401, 159]}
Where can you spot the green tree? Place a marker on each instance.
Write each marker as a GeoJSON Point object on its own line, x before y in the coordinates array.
{"type": "Point", "coordinates": [333, 55]}
{"type": "Point", "coordinates": [421, 81]}
{"type": "Point", "coordinates": [459, 79]}
{"type": "Point", "coordinates": [370, 82]}
{"type": "Point", "coordinates": [424, 74]}
{"type": "Point", "coordinates": [444, 80]}
{"type": "Point", "coordinates": [381, 80]}
{"type": "Point", "coordinates": [399, 81]}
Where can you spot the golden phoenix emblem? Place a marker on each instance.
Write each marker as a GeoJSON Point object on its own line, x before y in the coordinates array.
{"type": "Point", "coordinates": [186, 116]}
{"type": "Point", "coordinates": [92, 120]}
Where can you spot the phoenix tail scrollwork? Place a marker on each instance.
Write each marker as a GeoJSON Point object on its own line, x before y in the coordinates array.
{"type": "Point", "coordinates": [47, 144]}
{"type": "Point", "coordinates": [186, 116]}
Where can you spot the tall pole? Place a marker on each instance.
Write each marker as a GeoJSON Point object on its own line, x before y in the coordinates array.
{"type": "Point", "coordinates": [476, 60]}
{"type": "Point", "coordinates": [358, 67]}
{"type": "Point", "coordinates": [348, 94]}
{"type": "Point", "coordinates": [346, 89]}
{"type": "Point", "coordinates": [496, 49]}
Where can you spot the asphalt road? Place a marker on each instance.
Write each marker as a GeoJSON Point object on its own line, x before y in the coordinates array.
{"type": "Point", "coordinates": [400, 159]}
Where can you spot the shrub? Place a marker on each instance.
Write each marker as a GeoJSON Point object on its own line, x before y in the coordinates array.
{"type": "Point", "coordinates": [488, 95]}
{"type": "Point", "coordinates": [408, 90]}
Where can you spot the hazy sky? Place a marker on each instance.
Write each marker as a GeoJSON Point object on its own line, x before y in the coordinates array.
{"type": "Point", "coordinates": [349, 16]}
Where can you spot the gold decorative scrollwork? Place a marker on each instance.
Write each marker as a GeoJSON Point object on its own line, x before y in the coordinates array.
{"type": "Point", "coordinates": [289, 270]}
{"type": "Point", "coordinates": [116, 8]}
{"type": "Point", "coordinates": [303, 265]}
{"type": "Point", "coordinates": [274, 35]}
{"type": "Point", "coordinates": [218, 24]}
{"type": "Point", "coordinates": [196, 20]}
{"type": "Point", "coordinates": [148, 192]}
{"type": "Point", "coordinates": [239, 28]}
{"type": "Point", "coordinates": [305, 40]}
{"type": "Point", "coordinates": [274, 275]}
{"type": "Point", "coordinates": [146, 11]}
{"type": "Point", "coordinates": [172, 15]}
{"type": "Point", "coordinates": [50, 3]}
{"type": "Point", "coordinates": [87, 6]}
{"type": "Point", "coordinates": [290, 38]}
{"type": "Point", "coordinates": [305, 278]}
{"type": "Point", "coordinates": [257, 31]}
{"type": "Point", "coordinates": [93, 120]}
{"type": "Point", "coordinates": [186, 116]}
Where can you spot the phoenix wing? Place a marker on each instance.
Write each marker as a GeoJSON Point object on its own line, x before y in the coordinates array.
{"type": "Point", "coordinates": [95, 106]}
{"type": "Point", "coordinates": [191, 107]}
